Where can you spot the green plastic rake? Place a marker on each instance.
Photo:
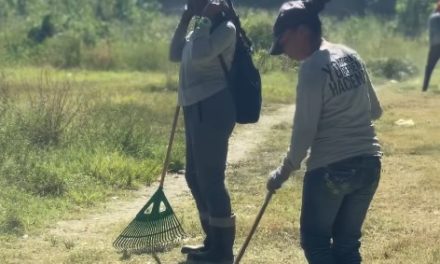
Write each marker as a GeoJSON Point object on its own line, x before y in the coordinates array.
{"type": "Point", "coordinates": [155, 227]}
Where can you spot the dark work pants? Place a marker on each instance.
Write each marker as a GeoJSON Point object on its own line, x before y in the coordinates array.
{"type": "Point", "coordinates": [335, 202]}
{"type": "Point", "coordinates": [208, 126]}
{"type": "Point", "coordinates": [433, 57]}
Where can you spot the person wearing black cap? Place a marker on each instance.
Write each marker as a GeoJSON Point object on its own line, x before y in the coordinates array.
{"type": "Point", "coordinates": [335, 108]}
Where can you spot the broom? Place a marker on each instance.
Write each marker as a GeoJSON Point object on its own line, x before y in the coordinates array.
{"type": "Point", "coordinates": [155, 226]}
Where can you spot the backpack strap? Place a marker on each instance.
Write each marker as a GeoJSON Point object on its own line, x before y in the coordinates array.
{"type": "Point", "coordinates": [234, 17]}
{"type": "Point", "coordinates": [226, 72]}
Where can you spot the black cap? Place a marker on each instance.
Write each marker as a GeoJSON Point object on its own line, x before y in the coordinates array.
{"type": "Point", "coordinates": [291, 15]}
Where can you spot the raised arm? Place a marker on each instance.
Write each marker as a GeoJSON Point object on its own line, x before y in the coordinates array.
{"type": "Point", "coordinates": [178, 41]}
{"type": "Point", "coordinates": [206, 45]}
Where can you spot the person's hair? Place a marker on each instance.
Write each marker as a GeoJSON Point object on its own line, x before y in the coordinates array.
{"type": "Point", "coordinates": [314, 7]}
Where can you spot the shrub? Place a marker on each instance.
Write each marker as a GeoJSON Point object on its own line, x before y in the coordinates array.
{"type": "Point", "coordinates": [51, 109]}
{"type": "Point", "coordinates": [143, 55]}
{"type": "Point", "coordinates": [62, 51]}
{"type": "Point", "coordinates": [12, 223]}
{"type": "Point", "coordinates": [392, 68]}
{"type": "Point", "coordinates": [258, 26]}
{"type": "Point", "coordinates": [100, 56]}
{"type": "Point", "coordinates": [4, 95]}
{"type": "Point", "coordinates": [46, 30]}
{"type": "Point", "coordinates": [33, 173]}
{"type": "Point", "coordinates": [374, 38]}
{"type": "Point", "coordinates": [44, 180]}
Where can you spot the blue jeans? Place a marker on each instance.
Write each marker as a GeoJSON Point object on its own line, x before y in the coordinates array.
{"type": "Point", "coordinates": [335, 202]}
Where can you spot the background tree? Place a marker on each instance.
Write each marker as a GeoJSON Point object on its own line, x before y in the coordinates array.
{"type": "Point", "coordinates": [413, 15]}
{"type": "Point", "coordinates": [382, 7]}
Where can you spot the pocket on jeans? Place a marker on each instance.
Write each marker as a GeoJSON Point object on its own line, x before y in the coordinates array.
{"type": "Point", "coordinates": [340, 180]}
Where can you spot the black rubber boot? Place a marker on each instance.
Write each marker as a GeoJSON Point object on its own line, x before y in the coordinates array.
{"type": "Point", "coordinates": [221, 250]}
{"type": "Point", "coordinates": [189, 249]}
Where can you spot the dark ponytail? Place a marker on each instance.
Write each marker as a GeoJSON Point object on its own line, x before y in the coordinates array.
{"type": "Point", "coordinates": [315, 6]}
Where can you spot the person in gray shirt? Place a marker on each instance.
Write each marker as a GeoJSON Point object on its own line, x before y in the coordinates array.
{"type": "Point", "coordinates": [434, 45]}
{"type": "Point", "coordinates": [209, 113]}
{"type": "Point", "coordinates": [335, 108]}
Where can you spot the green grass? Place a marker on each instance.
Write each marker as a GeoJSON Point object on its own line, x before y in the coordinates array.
{"type": "Point", "coordinates": [79, 176]}
{"type": "Point", "coordinates": [71, 139]}
{"type": "Point", "coordinates": [401, 226]}
{"type": "Point", "coordinates": [142, 44]}
{"type": "Point", "coordinates": [279, 87]}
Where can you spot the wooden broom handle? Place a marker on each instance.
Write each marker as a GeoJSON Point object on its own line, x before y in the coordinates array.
{"type": "Point", "coordinates": [254, 227]}
{"type": "Point", "coordinates": [170, 144]}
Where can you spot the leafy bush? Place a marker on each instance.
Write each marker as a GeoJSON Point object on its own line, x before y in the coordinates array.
{"type": "Point", "coordinates": [374, 38]}
{"type": "Point", "coordinates": [52, 108]}
{"type": "Point", "coordinates": [65, 34]}
{"type": "Point", "coordinates": [4, 95]}
{"type": "Point", "coordinates": [34, 173]}
{"type": "Point", "coordinates": [146, 55]}
{"type": "Point", "coordinates": [11, 222]}
{"type": "Point", "coordinates": [392, 68]}
{"type": "Point", "coordinates": [258, 25]}
{"type": "Point", "coordinates": [62, 51]}
{"type": "Point", "coordinates": [100, 56]}
{"type": "Point", "coordinates": [46, 30]}
{"type": "Point", "coordinates": [46, 181]}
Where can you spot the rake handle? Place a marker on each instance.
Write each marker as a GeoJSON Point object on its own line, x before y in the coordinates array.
{"type": "Point", "coordinates": [170, 144]}
{"type": "Point", "coordinates": [254, 227]}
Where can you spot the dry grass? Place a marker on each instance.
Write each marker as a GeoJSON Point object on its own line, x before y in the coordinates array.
{"type": "Point", "coordinates": [402, 225]}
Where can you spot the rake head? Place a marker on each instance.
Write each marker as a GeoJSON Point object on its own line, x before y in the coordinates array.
{"type": "Point", "coordinates": [153, 229]}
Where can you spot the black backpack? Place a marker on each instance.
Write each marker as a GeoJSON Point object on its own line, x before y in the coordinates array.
{"type": "Point", "coordinates": [244, 79]}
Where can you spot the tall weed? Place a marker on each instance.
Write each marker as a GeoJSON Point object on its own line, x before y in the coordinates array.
{"type": "Point", "coordinates": [50, 110]}
{"type": "Point", "coordinates": [5, 96]}
{"type": "Point", "coordinates": [379, 44]}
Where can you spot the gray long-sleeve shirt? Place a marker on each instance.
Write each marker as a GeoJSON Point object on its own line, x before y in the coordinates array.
{"type": "Point", "coordinates": [335, 106]}
{"type": "Point", "coordinates": [201, 73]}
{"type": "Point", "coordinates": [434, 29]}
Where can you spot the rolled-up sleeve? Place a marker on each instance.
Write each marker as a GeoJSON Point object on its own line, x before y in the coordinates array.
{"type": "Point", "coordinates": [207, 45]}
